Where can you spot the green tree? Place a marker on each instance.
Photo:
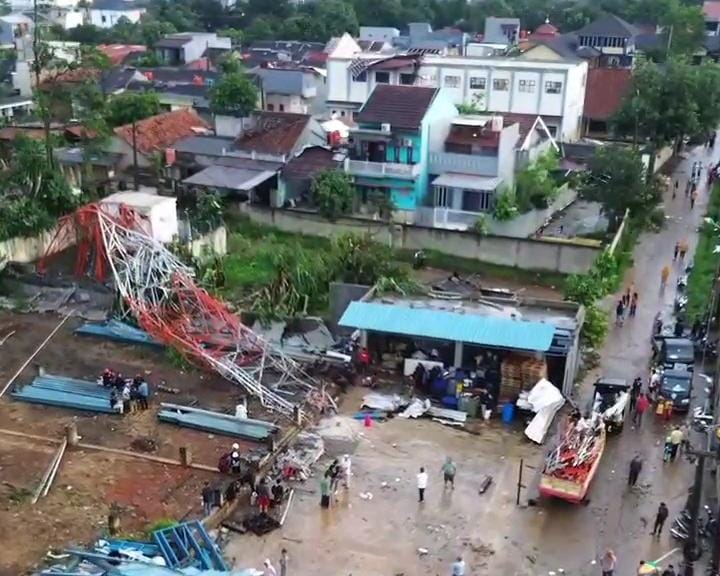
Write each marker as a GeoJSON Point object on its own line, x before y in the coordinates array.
{"type": "Point", "coordinates": [660, 108]}
{"type": "Point", "coordinates": [333, 194]}
{"type": "Point", "coordinates": [706, 94]}
{"type": "Point", "coordinates": [153, 30]}
{"type": "Point", "coordinates": [616, 180]}
{"type": "Point", "coordinates": [130, 108]}
{"type": "Point", "coordinates": [262, 28]}
{"type": "Point", "coordinates": [379, 12]}
{"type": "Point", "coordinates": [236, 36]}
{"type": "Point", "coordinates": [381, 202]}
{"type": "Point", "coordinates": [335, 17]}
{"type": "Point", "coordinates": [685, 28]}
{"type": "Point", "coordinates": [233, 95]}
{"type": "Point", "coordinates": [535, 185]}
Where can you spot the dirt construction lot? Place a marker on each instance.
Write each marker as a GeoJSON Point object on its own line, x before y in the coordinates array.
{"type": "Point", "coordinates": [89, 481]}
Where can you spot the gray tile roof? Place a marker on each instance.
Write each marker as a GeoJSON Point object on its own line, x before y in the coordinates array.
{"type": "Point", "coordinates": [279, 81]}
{"type": "Point", "coordinates": [608, 25]}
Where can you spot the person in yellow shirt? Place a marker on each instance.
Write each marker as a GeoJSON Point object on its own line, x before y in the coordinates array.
{"type": "Point", "coordinates": [676, 438]}
{"type": "Point", "coordinates": [664, 276]}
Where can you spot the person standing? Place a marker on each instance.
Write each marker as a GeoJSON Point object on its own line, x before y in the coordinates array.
{"type": "Point", "coordinates": [676, 439]}
{"type": "Point", "coordinates": [660, 518]}
{"type": "Point", "coordinates": [664, 276]}
{"type": "Point", "coordinates": [207, 499]}
{"type": "Point", "coordinates": [143, 394]}
{"type": "Point", "coordinates": [635, 468]}
{"type": "Point", "coordinates": [325, 491]}
{"type": "Point", "coordinates": [263, 492]}
{"type": "Point", "coordinates": [683, 249]}
{"type": "Point", "coordinates": [422, 480]}
{"type": "Point", "coordinates": [635, 392]}
{"type": "Point", "coordinates": [458, 567]}
{"type": "Point", "coordinates": [284, 557]}
{"type": "Point", "coordinates": [640, 408]}
{"type": "Point", "coordinates": [693, 198]}
{"type": "Point", "coordinates": [675, 189]}
{"type": "Point", "coordinates": [675, 252]}
{"type": "Point", "coordinates": [620, 312]}
{"type": "Point", "coordinates": [607, 563]}
{"type": "Point", "coordinates": [633, 304]}
{"type": "Point", "coordinates": [448, 470]}
{"type": "Point", "coordinates": [268, 568]}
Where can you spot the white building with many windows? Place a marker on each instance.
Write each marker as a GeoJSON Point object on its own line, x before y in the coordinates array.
{"type": "Point", "coordinates": [553, 90]}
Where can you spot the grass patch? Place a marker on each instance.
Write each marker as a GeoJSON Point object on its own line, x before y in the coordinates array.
{"type": "Point", "coordinates": [252, 250]}
{"type": "Point", "coordinates": [705, 263]}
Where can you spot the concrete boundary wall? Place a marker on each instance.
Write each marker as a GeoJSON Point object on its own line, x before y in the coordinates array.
{"type": "Point", "coordinates": [551, 254]}
{"type": "Point", "coordinates": [30, 249]}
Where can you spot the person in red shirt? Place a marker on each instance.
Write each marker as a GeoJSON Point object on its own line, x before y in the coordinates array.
{"type": "Point", "coordinates": [640, 408]}
{"type": "Point", "coordinates": [363, 359]}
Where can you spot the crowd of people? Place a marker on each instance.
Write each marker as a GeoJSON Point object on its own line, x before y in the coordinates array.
{"type": "Point", "coordinates": [127, 395]}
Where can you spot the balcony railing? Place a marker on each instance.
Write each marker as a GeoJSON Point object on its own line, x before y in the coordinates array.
{"type": "Point", "coordinates": [382, 169]}
{"type": "Point", "coordinates": [465, 163]}
{"type": "Point", "coordinates": [447, 218]}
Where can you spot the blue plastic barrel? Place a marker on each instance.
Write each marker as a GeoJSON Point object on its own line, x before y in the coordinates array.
{"type": "Point", "coordinates": [508, 413]}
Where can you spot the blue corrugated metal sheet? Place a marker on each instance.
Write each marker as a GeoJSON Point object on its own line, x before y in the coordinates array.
{"type": "Point", "coordinates": [443, 325]}
{"type": "Point", "coordinates": [117, 331]}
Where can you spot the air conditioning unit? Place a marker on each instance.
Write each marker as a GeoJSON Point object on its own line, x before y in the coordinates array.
{"type": "Point", "coordinates": [385, 127]}
{"type": "Point", "coordinates": [407, 142]}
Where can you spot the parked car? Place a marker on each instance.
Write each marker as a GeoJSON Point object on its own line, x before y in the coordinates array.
{"type": "Point", "coordinates": [611, 399]}
{"type": "Point", "coordinates": [674, 353]}
{"type": "Point", "coordinates": [676, 385]}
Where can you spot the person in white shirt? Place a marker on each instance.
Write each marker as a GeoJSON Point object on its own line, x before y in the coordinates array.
{"type": "Point", "coordinates": [268, 568]}
{"type": "Point", "coordinates": [458, 567]}
{"type": "Point", "coordinates": [345, 470]}
{"type": "Point", "coordinates": [422, 480]}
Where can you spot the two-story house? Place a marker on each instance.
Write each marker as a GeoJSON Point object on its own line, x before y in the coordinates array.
{"type": "Point", "coordinates": [554, 90]}
{"type": "Point", "coordinates": [613, 38]}
{"type": "Point", "coordinates": [295, 90]}
{"type": "Point", "coordinates": [390, 146]}
{"type": "Point", "coordinates": [475, 161]}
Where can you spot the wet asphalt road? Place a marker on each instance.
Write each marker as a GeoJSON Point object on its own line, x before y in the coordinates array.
{"type": "Point", "coordinates": [569, 537]}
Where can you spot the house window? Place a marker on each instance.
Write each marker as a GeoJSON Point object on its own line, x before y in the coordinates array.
{"type": "Point", "coordinates": [103, 19]}
{"type": "Point", "coordinates": [407, 79]}
{"type": "Point", "coordinates": [271, 107]}
{"type": "Point", "coordinates": [452, 81]}
{"type": "Point", "coordinates": [501, 84]}
{"type": "Point", "coordinates": [382, 77]}
{"type": "Point", "coordinates": [553, 87]}
{"type": "Point", "coordinates": [362, 77]}
{"type": "Point", "coordinates": [527, 86]}
{"type": "Point", "coordinates": [281, 107]}
{"type": "Point", "coordinates": [477, 83]}
{"type": "Point", "coordinates": [442, 198]}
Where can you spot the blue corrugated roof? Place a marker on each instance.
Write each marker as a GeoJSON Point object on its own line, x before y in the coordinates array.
{"type": "Point", "coordinates": [444, 325]}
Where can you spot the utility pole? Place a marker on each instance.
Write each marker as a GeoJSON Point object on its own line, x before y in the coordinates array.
{"type": "Point", "coordinates": [691, 549]}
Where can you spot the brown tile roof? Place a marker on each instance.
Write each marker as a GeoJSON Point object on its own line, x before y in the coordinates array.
{"type": "Point", "coordinates": [402, 107]}
{"type": "Point", "coordinates": [74, 76]}
{"type": "Point", "coordinates": [274, 133]}
{"type": "Point", "coordinates": [605, 90]}
{"type": "Point", "coordinates": [9, 133]}
{"type": "Point", "coordinates": [163, 130]}
{"type": "Point", "coordinates": [311, 162]}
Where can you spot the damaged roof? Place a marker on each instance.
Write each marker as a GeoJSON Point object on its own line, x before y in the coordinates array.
{"type": "Point", "coordinates": [274, 133]}
{"type": "Point", "coordinates": [163, 130]}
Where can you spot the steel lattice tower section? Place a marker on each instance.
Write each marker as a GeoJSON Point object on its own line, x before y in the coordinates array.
{"type": "Point", "coordinates": [167, 303]}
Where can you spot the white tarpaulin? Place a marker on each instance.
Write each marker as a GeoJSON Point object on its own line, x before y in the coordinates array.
{"type": "Point", "coordinates": [545, 400]}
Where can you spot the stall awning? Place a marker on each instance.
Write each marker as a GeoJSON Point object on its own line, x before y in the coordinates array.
{"type": "Point", "coordinates": [468, 181]}
{"type": "Point", "coordinates": [444, 325]}
{"type": "Point", "coordinates": [230, 178]}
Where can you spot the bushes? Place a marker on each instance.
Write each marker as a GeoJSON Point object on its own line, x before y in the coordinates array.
{"type": "Point", "coordinates": [505, 207]}
{"type": "Point", "coordinates": [705, 263]}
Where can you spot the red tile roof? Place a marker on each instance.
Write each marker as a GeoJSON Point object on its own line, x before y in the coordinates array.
{"type": "Point", "coordinates": [117, 53]}
{"type": "Point", "coordinates": [711, 10]}
{"type": "Point", "coordinates": [274, 133]}
{"type": "Point", "coordinates": [605, 90]}
{"type": "Point", "coordinates": [402, 107]}
{"type": "Point", "coordinates": [163, 130]}
{"type": "Point", "coordinates": [202, 64]}
{"type": "Point", "coordinates": [472, 135]}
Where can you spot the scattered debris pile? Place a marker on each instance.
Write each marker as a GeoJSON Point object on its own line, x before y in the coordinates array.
{"type": "Point", "coordinates": [379, 406]}
{"type": "Point", "coordinates": [297, 461]}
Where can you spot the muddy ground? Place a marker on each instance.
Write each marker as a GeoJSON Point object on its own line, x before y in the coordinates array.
{"type": "Point", "coordinates": [146, 491]}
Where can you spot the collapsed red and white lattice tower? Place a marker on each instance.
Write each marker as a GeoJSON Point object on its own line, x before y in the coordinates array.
{"type": "Point", "coordinates": [162, 294]}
